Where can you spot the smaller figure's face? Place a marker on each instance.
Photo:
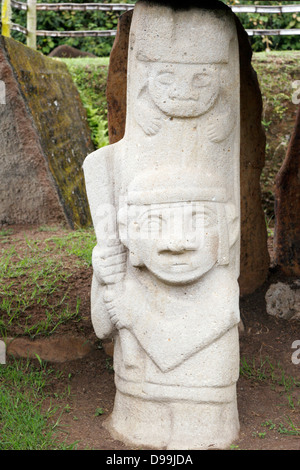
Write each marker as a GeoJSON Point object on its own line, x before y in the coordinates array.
{"type": "Point", "coordinates": [178, 243]}
{"type": "Point", "coordinates": [183, 90]}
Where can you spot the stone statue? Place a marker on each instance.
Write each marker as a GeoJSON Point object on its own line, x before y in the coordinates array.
{"type": "Point", "coordinates": [165, 207]}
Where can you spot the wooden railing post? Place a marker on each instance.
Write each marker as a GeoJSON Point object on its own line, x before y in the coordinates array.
{"type": "Point", "coordinates": [5, 18]}
{"type": "Point", "coordinates": [31, 23]}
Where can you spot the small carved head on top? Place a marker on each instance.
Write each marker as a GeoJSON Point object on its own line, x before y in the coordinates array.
{"type": "Point", "coordinates": [183, 90]}
{"type": "Point", "coordinates": [183, 54]}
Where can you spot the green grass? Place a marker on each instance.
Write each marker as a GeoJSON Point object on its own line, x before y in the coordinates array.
{"type": "Point", "coordinates": [28, 420]}
{"type": "Point", "coordinates": [84, 61]}
{"type": "Point", "coordinates": [5, 232]}
{"type": "Point", "coordinates": [35, 275]}
{"type": "Point", "coordinates": [288, 427]}
{"type": "Point", "coordinates": [31, 279]}
{"type": "Point", "coordinates": [263, 370]}
{"type": "Point", "coordinates": [79, 243]}
{"type": "Point", "coordinates": [37, 278]}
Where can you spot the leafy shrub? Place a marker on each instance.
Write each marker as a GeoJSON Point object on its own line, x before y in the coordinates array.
{"type": "Point", "coordinates": [270, 21]}
{"type": "Point", "coordinates": [90, 76]}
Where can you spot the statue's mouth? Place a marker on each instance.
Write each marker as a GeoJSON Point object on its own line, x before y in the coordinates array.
{"type": "Point", "coordinates": [179, 266]}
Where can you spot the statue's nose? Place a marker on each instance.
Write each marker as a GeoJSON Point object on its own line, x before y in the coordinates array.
{"type": "Point", "coordinates": [183, 90]}
{"type": "Point", "coordinates": [178, 245]}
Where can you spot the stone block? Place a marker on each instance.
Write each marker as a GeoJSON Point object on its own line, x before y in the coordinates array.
{"type": "Point", "coordinates": [283, 301]}
{"type": "Point", "coordinates": [116, 88]}
{"type": "Point", "coordinates": [55, 349]}
{"type": "Point", "coordinates": [44, 140]}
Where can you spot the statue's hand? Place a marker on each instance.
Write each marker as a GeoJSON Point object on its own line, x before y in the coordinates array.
{"type": "Point", "coordinates": [109, 263]}
{"type": "Point", "coordinates": [151, 126]}
{"type": "Point", "coordinates": [116, 304]}
{"type": "Point", "coordinates": [219, 127]}
{"type": "Point", "coordinates": [148, 118]}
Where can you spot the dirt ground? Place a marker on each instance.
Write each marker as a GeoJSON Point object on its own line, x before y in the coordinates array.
{"type": "Point", "coordinates": [264, 409]}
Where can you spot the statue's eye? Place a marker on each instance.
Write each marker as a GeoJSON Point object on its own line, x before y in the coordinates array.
{"type": "Point", "coordinates": [166, 78]}
{"type": "Point", "coordinates": [202, 219]}
{"type": "Point", "coordinates": [153, 224]}
{"type": "Point", "coordinates": [201, 80]}
{"type": "Point", "coordinates": [197, 220]}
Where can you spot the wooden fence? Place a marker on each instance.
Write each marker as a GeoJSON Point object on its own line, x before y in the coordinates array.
{"type": "Point", "coordinates": [32, 7]}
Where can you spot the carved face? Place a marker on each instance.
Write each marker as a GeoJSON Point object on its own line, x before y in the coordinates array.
{"type": "Point", "coordinates": [178, 243]}
{"type": "Point", "coordinates": [184, 90]}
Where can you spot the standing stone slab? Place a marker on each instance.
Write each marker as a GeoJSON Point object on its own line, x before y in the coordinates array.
{"type": "Point", "coordinates": [287, 208]}
{"type": "Point", "coordinates": [44, 140]}
{"type": "Point", "coordinates": [255, 260]}
{"type": "Point", "coordinates": [165, 203]}
{"type": "Point", "coordinates": [117, 80]}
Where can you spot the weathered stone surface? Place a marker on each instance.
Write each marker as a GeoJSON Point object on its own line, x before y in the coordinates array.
{"type": "Point", "coordinates": [254, 252]}
{"type": "Point", "coordinates": [116, 87]}
{"type": "Point", "coordinates": [59, 349]}
{"type": "Point", "coordinates": [255, 260]}
{"type": "Point", "coordinates": [287, 208]}
{"type": "Point", "coordinates": [283, 301]}
{"type": "Point", "coordinates": [44, 140]}
{"type": "Point", "coordinates": [165, 204]}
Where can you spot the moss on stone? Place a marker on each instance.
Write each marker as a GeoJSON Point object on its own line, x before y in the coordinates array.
{"type": "Point", "coordinates": [60, 119]}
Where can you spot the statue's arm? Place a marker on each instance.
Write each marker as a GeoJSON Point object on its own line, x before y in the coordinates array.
{"type": "Point", "coordinates": [223, 119]}
{"type": "Point", "coordinates": [148, 117]}
{"type": "Point", "coordinates": [98, 171]}
{"type": "Point", "coordinates": [108, 257]}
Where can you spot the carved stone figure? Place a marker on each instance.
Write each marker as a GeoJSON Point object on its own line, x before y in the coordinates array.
{"type": "Point", "coordinates": [254, 256]}
{"type": "Point", "coordinates": [166, 211]}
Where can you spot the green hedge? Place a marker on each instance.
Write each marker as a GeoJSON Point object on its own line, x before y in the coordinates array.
{"type": "Point", "coordinates": [93, 20]}
{"type": "Point", "coordinates": [90, 76]}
